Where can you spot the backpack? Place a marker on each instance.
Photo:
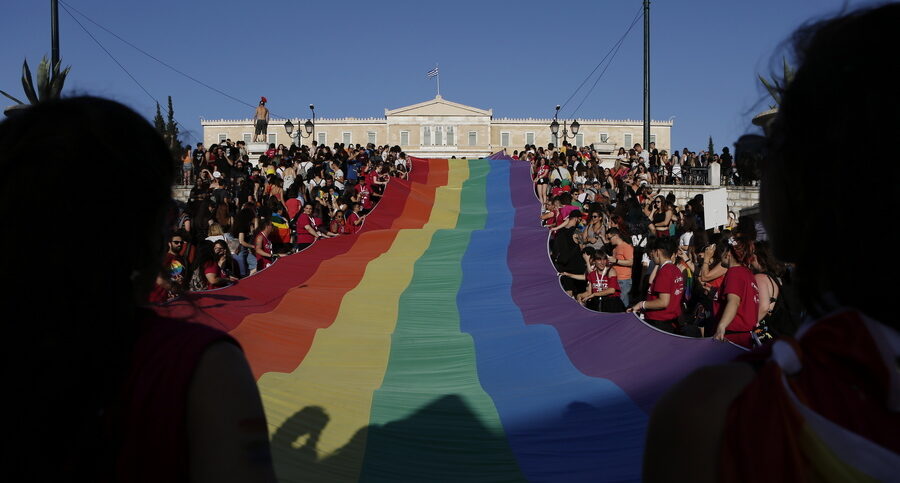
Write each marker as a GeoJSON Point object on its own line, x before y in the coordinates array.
{"type": "Point", "coordinates": [198, 281]}
{"type": "Point", "coordinates": [784, 318]}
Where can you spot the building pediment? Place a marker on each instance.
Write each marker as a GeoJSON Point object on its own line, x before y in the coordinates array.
{"type": "Point", "coordinates": [438, 107]}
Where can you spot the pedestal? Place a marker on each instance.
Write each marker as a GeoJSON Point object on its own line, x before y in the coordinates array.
{"type": "Point", "coordinates": [715, 174]}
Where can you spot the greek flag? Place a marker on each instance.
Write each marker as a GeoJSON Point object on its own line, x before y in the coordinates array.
{"type": "Point", "coordinates": [432, 73]}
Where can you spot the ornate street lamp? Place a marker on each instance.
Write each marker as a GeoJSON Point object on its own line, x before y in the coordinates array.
{"type": "Point", "coordinates": [289, 128]}
{"type": "Point", "coordinates": [554, 127]}
{"type": "Point", "coordinates": [309, 126]}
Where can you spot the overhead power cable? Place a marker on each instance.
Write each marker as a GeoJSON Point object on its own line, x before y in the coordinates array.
{"type": "Point", "coordinates": [597, 80]}
{"type": "Point", "coordinates": [111, 56]}
{"type": "Point", "coordinates": [160, 61]}
{"type": "Point", "coordinates": [611, 52]}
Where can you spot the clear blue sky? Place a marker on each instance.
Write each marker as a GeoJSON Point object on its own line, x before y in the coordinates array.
{"type": "Point", "coordinates": [354, 58]}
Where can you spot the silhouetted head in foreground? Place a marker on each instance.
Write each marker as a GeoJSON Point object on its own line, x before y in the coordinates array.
{"type": "Point", "coordinates": [813, 199]}
{"type": "Point", "coordinates": [85, 194]}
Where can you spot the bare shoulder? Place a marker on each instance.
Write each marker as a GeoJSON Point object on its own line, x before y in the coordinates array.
{"type": "Point", "coordinates": [227, 431]}
{"type": "Point", "coordinates": [692, 415]}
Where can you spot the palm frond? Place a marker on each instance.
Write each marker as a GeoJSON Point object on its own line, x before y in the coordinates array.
{"type": "Point", "coordinates": [43, 79]}
{"type": "Point", "coordinates": [11, 97]}
{"type": "Point", "coordinates": [27, 85]}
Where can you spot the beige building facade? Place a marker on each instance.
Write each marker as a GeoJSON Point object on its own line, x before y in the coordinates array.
{"type": "Point", "coordinates": [439, 128]}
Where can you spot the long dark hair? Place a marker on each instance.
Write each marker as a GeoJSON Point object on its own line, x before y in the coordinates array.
{"type": "Point", "coordinates": [70, 350]}
{"type": "Point", "coordinates": [243, 223]}
{"type": "Point", "coordinates": [205, 253]}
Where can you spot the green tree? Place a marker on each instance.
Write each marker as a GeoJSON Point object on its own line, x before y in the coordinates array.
{"type": "Point", "coordinates": [171, 126]}
{"type": "Point", "coordinates": [172, 132]}
{"type": "Point", "coordinates": [712, 148]}
{"type": "Point", "coordinates": [158, 122]}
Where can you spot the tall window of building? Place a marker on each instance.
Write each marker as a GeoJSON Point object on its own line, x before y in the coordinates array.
{"type": "Point", "coordinates": [627, 142]}
{"type": "Point", "coordinates": [529, 138]}
{"type": "Point", "coordinates": [426, 136]}
{"type": "Point", "coordinates": [273, 138]}
{"type": "Point", "coordinates": [372, 137]}
{"type": "Point", "coordinates": [438, 136]}
{"type": "Point", "coordinates": [322, 138]}
{"type": "Point", "coordinates": [504, 139]}
{"type": "Point", "coordinates": [451, 136]}
{"type": "Point", "coordinates": [404, 138]}
{"type": "Point", "coordinates": [346, 138]}
{"type": "Point", "coordinates": [248, 138]}
{"type": "Point", "coordinates": [222, 137]}
{"type": "Point", "coordinates": [579, 139]}
{"type": "Point", "coordinates": [653, 138]}
{"type": "Point", "coordinates": [473, 138]}
{"type": "Point", "coordinates": [604, 137]}
{"type": "Point", "coordinates": [554, 139]}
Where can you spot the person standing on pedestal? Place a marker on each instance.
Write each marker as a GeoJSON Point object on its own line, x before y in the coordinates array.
{"type": "Point", "coordinates": [262, 121]}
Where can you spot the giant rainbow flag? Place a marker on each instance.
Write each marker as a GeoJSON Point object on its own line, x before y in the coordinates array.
{"type": "Point", "coordinates": [436, 344]}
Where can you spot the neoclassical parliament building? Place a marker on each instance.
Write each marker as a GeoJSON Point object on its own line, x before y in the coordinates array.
{"type": "Point", "coordinates": [439, 128]}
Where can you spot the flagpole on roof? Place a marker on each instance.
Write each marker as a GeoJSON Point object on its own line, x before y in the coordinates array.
{"type": "Point", "coordinates": [435, 73]}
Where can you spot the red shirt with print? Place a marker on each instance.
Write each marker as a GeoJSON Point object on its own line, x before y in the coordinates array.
{"type": "Point", "coordinates": [598, 282]}
{"type": "Point", "coordinates": [670, 280]}
{"type": "Point", "coordinates": [739, 281]}
{"type": "Point", "coordinates": [364, 192]}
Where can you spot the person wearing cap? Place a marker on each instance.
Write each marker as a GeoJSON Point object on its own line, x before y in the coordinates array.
{"type": "Point", "coordinates": [262, 121]}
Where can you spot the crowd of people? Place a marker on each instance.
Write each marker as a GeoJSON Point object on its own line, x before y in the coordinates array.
{"type": "Point", "coordinates": [651, 166]}
{"type": "Point", "coordinates": [241, 216]}
{"type": "Point", "coordinates": [142, 394]}
{"type": "Point", "coordinates": [619, 245]}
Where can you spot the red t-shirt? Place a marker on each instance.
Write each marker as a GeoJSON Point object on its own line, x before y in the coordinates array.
{"type": "Point", "coordinates": [670, 280]}
{"type": "Point", "coordinates": [351, 227]}
{"type": "Point", "coordinates": [303, 236]}
{"type": "Point", "coordinates": [739, 281]}
{"type": "Point", "coordinates": [370, 179]}
{"type": "Point", "coordinates": [172, 267]}
{"type": "Point", "coordinates": [213, 267]}
{"type": "Point", "coordinates": [364, 192]}
{"type": "Point", "coordinates": [293, 207]}
{"type": "Point", "coordinates": [600, 283]}
{"type": "Point", "coordinates": [263, 262]}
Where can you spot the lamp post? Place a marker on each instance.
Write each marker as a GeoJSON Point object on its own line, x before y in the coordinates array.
{"type": "Point", "coordinates": [312, 108]}
{"type": "Point", "coordinates": [308, 126]}
{"type": "Point", "coordinates": [554, 127]}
